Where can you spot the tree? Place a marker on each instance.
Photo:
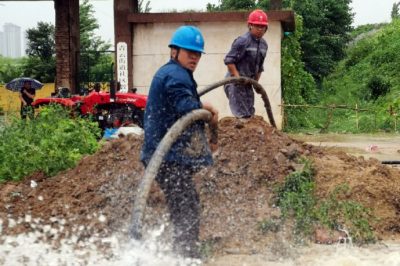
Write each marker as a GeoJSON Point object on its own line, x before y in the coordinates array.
{"type": "Point", "coordinates": [144, 9]}
{"type": "Point", "coordinates": [395, 14]}
{"type": "Point", "coordinates": [10, 68]}
{"type": "Point", "coordinates": [327, 24]}
{"type": "Point", "coordinates": [298, 86]}
{"type": "Point", "coordinates": [41, 41]}
{"type": "Point", "coordinates": [89, 41]}
{"type": "Point", "coordinates": [40, 63]}
{"type": "Point", "coordinates": [232, 5]}
{"type": "Point", "coordinates": [95, 55]}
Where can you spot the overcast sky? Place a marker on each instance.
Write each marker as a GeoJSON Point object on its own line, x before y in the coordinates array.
{"type": "Point", "coordinates": [26, 14]}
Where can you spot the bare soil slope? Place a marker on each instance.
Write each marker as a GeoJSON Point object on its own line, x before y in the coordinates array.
{"type": "Point", "coordinates": [96, 197]}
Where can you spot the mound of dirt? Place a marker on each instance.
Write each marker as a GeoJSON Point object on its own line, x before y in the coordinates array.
{"type": "Point", "coordinates": [96, 197]}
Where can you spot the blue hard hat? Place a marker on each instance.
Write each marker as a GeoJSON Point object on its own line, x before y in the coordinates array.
{"type": "Point", "coordinates": [189, 38]}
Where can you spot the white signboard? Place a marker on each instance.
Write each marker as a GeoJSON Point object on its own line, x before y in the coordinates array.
{"type": "Point", "coordinates": [122, 66]}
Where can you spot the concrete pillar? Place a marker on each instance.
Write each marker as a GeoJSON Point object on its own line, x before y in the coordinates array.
{"type": "Point", "coordinates": [124, 40]}
{"type": "Point", "coordinates": [67, 43]}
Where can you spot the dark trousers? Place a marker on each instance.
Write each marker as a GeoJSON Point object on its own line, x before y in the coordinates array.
{"type": "Point", "coordinates": [27, 110]}
{"type": "Point", "coordinates": [184, 206]}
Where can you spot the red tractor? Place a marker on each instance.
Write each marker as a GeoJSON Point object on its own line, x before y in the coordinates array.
{"type": "Point", "coordinates": [109, 109]}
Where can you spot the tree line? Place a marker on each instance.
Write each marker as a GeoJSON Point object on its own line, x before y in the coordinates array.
{"type": "Point", "coordinates": [40, 60]}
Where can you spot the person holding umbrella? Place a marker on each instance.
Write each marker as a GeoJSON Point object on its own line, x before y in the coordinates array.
{"type": "Point", "coordinates": [27, 95]}
{"type": "Point", "coordinates": [27, 89]}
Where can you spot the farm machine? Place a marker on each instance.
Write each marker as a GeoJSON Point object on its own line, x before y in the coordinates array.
{"type": "Point", "coordinates": [109, 109]}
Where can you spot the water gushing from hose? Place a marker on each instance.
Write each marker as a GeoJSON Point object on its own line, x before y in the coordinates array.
{"type": "Point", "coordinates": [155, 162]}
{"type": "Point", "coordinates": [169, 139]}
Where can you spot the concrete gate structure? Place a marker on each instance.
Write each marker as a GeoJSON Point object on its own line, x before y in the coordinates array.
{"type": "Point", "coordinates": [141, 41]}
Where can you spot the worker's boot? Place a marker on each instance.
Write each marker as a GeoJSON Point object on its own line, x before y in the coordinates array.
{"type": "Point", "coordinates": [187, 249]}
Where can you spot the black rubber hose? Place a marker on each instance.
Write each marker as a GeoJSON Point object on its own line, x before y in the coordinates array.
{"type": "Point", "coordinates": [390, 162]}
{"type": "Point", "coordinates": [257, 87]}
{"type": "Point", "coordinates": [171, 136]}
{"type": "Point", "coordinates": [155, 163]}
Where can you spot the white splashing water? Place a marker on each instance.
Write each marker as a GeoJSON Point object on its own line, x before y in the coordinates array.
{"type": "Point", "coordinates": [30, 250]}
{"type": "Point", "coordinates": [26, 250]}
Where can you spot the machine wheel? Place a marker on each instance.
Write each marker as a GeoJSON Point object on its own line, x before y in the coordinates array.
{"type": "Point", "coordinates": [117, 115]}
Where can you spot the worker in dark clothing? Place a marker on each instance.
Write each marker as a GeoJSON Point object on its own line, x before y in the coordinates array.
{"type": "Point", "coordinates": [97, 87]}
{"type": "Point", "coordinates": [172, 95]}
{"type": "Point", "coordinates": [27, 95]}
{"type": "Point", "coordinates": [246, 59]}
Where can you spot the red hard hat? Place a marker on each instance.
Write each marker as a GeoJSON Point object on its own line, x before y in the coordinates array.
{"type": "Point", "coordinates": [258, 17]}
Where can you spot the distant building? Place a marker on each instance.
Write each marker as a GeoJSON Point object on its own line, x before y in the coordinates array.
{"type": "Point", "coordinates": [11, 40]}
{"type": "Point", "coordinates": [2, 41]}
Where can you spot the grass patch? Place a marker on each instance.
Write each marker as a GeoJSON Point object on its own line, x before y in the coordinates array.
{"type": "Point", "coordinates": [296, 199]}
{"type": "Point", "coordinates": [336, 214]}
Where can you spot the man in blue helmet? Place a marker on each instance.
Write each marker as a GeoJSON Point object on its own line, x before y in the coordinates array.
{"type": "Point", "coordinates": [172, 95]}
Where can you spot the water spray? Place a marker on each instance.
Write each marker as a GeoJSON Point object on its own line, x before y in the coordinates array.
{"type": "Point", "coordinates": [170, 137]}
{"type": "Point", "coordinates": [154, 164]}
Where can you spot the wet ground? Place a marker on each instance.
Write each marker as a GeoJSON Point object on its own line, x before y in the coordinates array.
{"type": "Point", "coordinates": [337, 255]}
{"type": "Point", "coordinates": [384, 147]}
{"type": "Point", "coordinates": [91, 203]}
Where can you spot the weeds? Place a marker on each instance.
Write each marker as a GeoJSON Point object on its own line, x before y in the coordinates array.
{"type": "Point", "coordinates": [296, 198]}
{"type": "Point", "coordinates": [270, 225]}
{"type": "Point", "coordinates": [207, 247]}
{"type": "Point", "coordinates": [335, 214]}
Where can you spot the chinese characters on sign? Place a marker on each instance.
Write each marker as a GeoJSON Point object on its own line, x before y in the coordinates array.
{"type": "Point", "coordinates": [122, 66]}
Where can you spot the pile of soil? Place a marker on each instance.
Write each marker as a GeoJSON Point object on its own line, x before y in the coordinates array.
{"type": "Point", "coordinates": [96, 197]}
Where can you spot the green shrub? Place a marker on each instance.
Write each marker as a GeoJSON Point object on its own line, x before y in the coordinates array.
{"type": "Point", "coordinates": [368, 77]}
{"type": "Point", "coordinates": [296, 198]}
{"type": "Point", "coordinates": [377, 87]}
{"type": "Point", "coordinates": [50, 143]}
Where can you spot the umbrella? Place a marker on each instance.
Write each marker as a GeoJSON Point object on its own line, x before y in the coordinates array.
{"type": "Point", "coordinates": [17, 83]}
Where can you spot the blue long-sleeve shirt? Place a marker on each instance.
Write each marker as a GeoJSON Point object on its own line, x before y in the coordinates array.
{"type": "Point", "coordinates": [247, 54]}
{"type": "Point", "coordinates": [172, 95]}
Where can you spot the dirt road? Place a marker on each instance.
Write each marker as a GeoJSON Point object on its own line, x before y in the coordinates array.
{"type": "Point", "coordinates": [384, 147]}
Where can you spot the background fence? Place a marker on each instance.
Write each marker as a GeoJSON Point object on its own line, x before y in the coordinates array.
{"type": "Point", "coordinates": [343, 117]}
{"type": "Point", "coordinates": [333, 117]}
